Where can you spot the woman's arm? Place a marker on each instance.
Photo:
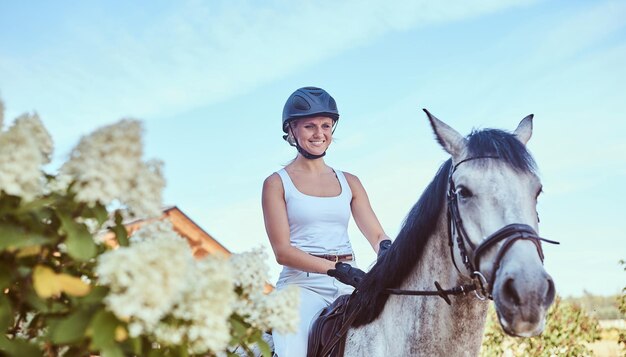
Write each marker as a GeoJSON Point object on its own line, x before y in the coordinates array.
{"type": "Point", "coordinates": [277, 228]}
{"type": "Point", "coordinates": [363, 214]}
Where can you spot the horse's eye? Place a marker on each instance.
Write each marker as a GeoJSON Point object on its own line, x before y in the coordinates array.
{"type": "Point", "coordinates": [464, 192]}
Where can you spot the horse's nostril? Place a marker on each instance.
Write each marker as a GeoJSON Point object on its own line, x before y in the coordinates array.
{"type": "Point", "coordinates": [510, 292]}
{"type": "Point", "coordinates": [550, 293]}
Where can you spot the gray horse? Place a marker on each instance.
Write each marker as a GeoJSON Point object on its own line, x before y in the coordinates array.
{"type": "Point", "coordinates": [475, 225]}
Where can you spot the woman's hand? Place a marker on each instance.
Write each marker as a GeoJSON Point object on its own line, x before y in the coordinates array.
{"type": "Point", "coordinates": [383, 247]}
{"type": "Point", "coordinates": [347, 274]}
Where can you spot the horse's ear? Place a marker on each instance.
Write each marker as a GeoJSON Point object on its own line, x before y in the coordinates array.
{"type": "Point", "coordinates": [525, 129]}
{"type": "Point", "coordinates": [451, 141]}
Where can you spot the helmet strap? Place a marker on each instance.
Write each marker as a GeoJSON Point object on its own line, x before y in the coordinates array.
{"type": "Point", "coordinates": [335, 123]}
{"type": "Point", "coordinates": [304, 153]}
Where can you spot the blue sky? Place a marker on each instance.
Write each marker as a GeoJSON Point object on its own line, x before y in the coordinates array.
{"type": "Point", "coordinates": [209, 80]}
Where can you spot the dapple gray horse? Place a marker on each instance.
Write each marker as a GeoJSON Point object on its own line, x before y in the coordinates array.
{"type": "Point", "coordinates": [474, 227]}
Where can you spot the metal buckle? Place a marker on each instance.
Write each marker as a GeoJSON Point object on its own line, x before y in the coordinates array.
{"type": "Point", "coordinates": [482, 281]}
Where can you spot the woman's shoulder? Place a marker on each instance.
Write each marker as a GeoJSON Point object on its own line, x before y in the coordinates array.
{"type": "Point", "coordinates": [353, 181]}
{"type": "Point", "coordinates": [273, 183]}
{"type": "Point", "coordinates": [350, 177]}
{"type": "Point", "coordinates": [272, 179]}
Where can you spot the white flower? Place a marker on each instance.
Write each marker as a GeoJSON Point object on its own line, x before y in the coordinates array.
{"type": "Point", "coordinates": [163, 292]}
{"type": "Point", "coordinates": [144, 196]}
{"type": "Point", "coordinates": [281, 310]}
{"type": "Point", "coordinates": [252, 271]}
{"type": "Point", "coordinates": [278, 310]}
{"type": "Point", "coordinates": [58, 184]}
{"type": "Point", "coordinates": [155, 230]}
{"type": "Point", "coordinates": [147, 278]}
{"type": "Point", "coordinates": [21, 158]}
{"type": "Point", "coordinates": [107, 166]}
{"type": "Point", "coordinates": [201, 317]}
{"type": "Point", "coordinates": [103, 163]}
{"type": "Point", "coordinates": [32, 124]}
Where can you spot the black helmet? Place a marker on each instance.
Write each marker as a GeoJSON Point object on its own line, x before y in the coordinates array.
{"type": "Point", "coordinates": [307, 102]}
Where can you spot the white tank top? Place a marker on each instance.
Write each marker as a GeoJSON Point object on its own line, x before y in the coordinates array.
{"type": "Point", "coordinates": [318, 225]}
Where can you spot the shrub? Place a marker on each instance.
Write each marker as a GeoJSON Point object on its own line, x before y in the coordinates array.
{"type": "Point", "coordinates": [568, 330]}
{"type": "Point", "coordinates": [64, 292]}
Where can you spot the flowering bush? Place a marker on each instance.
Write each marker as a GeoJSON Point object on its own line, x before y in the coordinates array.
{"type": "Point", "coordinates": [65, 292]}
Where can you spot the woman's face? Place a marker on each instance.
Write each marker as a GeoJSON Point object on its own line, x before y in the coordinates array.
{"type": "Point", "coordinates": [314, 134]}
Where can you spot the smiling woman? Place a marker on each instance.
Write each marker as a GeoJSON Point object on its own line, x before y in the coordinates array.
{"type": "Point", "coordinates": [307, 207]}
{"type": "Point", "coordinates": [315, 134]}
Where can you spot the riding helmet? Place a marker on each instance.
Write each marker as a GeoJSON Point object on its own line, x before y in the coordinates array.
{"type": "Point", "coordinates": [308, 102]}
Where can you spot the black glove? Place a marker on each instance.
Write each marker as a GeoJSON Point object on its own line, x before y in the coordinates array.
{"type": "Point", "coordinates": [383, 247]}
{"type": "Point", "coordinates": [347, 274]}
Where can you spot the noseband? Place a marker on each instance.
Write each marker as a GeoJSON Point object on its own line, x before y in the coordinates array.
{"type": "Point", "coordinates": [471, 258]}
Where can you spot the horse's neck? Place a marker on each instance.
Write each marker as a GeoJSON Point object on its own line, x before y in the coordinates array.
{"type": "Point", "coordinates": [426, 326]}
{"type": "Point", "coordinates": [454, 329]}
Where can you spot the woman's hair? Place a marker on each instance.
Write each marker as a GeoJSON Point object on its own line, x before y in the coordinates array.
{"type": "Point", "coordinates": [289, 138]}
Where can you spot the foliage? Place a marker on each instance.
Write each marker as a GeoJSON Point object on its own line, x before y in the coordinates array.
{"type": "Point", "coordinates": [63, 292]}
{"type": "Point", "coordinates": [599, 307]}
{"type": "Point", "coordinates": [621, 300]}
{"type": "Point", "coordinates": [568, 330]}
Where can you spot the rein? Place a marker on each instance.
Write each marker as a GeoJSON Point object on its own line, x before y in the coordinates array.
{"type": "Point", "coordinates": [509, 234]}
{"type": "Point", "coordinates": [457, 290]}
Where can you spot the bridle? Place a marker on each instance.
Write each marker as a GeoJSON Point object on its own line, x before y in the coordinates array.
{"type": "Point", "coordinates": [471, 258]}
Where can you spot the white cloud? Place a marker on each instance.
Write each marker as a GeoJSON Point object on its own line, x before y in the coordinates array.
{"type": "Point", "coordinates": [106, 66]}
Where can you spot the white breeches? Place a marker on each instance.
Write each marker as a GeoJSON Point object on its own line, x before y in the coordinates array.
{"type": "Point", "coordinates": [316, 292]}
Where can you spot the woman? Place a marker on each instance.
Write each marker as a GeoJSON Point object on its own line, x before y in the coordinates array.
{"type": "Point", "coordinates": [307, 207]}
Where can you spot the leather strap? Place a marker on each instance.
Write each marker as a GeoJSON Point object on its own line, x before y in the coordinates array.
{"type": "Point", "coordinates": [341, 333]}
{"type": "Point", "coordinates": [335, 258]}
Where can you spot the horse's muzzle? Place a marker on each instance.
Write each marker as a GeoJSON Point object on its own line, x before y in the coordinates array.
{"type": "Point", "coordinates": [522, 300]}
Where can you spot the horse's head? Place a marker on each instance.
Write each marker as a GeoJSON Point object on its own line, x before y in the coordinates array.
{"type": "Point", "coordinates": [492, 198]}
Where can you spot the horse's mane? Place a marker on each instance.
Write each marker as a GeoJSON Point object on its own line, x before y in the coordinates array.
{"type": "Point", "coordinates": [419, 225]}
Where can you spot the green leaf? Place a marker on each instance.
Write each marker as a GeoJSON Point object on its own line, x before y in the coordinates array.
{"type": "Point", "coordinates": [6, 276]}
{"type": "Point", "coordinates": [135, 343]}
{"type": "Point", "coordinates": [71, 328]}
{"type": "Point", "coordinates": [120, 231]}
{"type": "Point", "coordinates": [14, 237]}
{"type": "Point", "coordinates": [8, 203]}
{"type": "Point", "coordinates": [99, 212]}
{"type": "Point", "coordinates": [18, 348]}
{"type": "Point", "coordinates": [239, 329]}
{"type": "Point", "coordinates": [50, 306]}
{"type": "Point", "coordinates": [112, 351]}
{"type": "Point", "coordinates": [264, 347]}
{"type": "Point", "coordinates": [80, 244]}
{"type": "Point", "coordinates": [156, 353]}
{"type": "Point", "coordinates": [34, 205]}
{"type": "Point", "coordinates": [6, 313]}
{"type": "Point", "coordinates": [103, 330]}
{"type": "Point", "coordinates": [97, 294]}
{"type": "Point", "coordinates": [35, 301]}
{"type": "Point", "coordinates": [183, 351]}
